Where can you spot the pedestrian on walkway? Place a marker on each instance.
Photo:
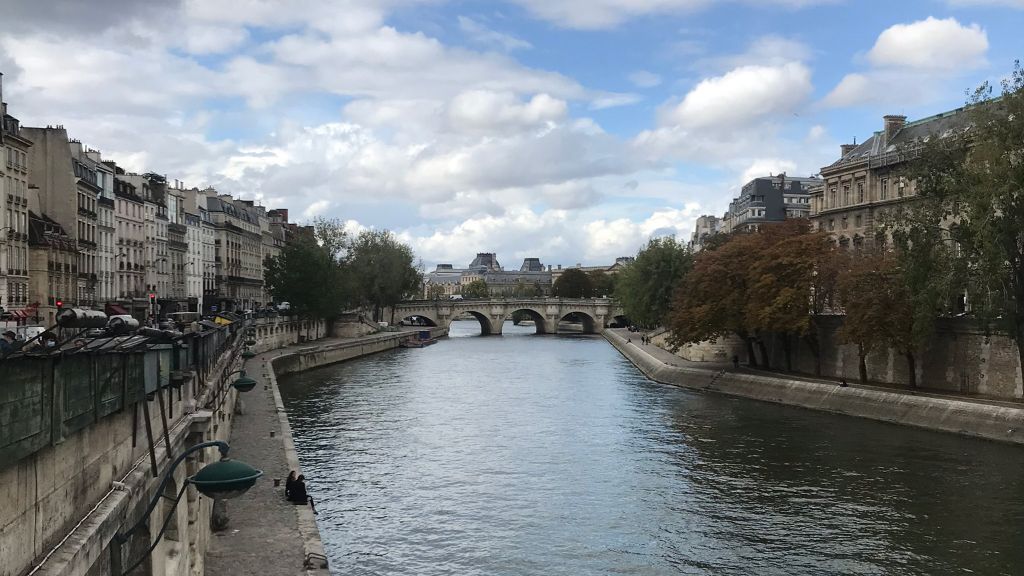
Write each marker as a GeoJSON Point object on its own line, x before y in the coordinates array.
{"type": "Point", "coordinates": [288, 484]}
{"type": "Point", "coordinates": [735, 361]}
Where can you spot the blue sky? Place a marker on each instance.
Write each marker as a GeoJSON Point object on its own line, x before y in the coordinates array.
{"type": "Point", "coordinates": [569, 130]}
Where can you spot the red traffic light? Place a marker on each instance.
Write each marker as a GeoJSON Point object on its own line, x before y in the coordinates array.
{"type": "Point", "coordinates": [60, 303]}
{"type": "Point", "coordinates": [152, 296]}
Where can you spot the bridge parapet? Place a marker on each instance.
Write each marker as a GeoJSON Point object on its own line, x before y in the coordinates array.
{"type": "Point", "coordinates": [598, 313]}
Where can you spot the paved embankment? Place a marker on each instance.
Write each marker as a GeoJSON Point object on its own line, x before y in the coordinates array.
{"type": "Point", "coordinates": [267, 534]}
{"type": "Point", "coordinates": [994, 420]}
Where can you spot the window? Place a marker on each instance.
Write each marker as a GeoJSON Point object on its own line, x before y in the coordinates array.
{"type": "Point", "coordinates": [884, 194]}
{"type": "Point", "coordinates": [858, 221]}
{"type": "Point", "coordinates": [832, 194]}
{"type": "Point", "coordinates": [845, 223]}
{"type": "Point", "coordinates": [846, 195]}
{"type": "Point", "coordinates": [860, 192]}
{"type": "Point", "coordinates": [832, 224]}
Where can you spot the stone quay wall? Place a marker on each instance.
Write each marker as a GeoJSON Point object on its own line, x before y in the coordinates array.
{"type": "Point", "coordinates": [960, 358]}
{"type": "Point", "coordinates": [61, 504]}
{"type": "Point", "coordinates": [1001, 421]}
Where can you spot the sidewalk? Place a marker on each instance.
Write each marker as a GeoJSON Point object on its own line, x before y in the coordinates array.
{"type": "Point", "coordinates": [670, 359]}
{"type": "Point", "coordinates": [263, 535]}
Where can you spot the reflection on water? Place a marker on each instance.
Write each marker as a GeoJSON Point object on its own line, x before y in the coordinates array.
{"type": "Point", "coordinates": [525, 454]}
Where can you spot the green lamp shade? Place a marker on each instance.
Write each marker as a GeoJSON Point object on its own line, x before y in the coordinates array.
{"type": "Point", "coordinates": [247, 354]}
{"type": "Point", "coordinates": [244, 383]}
{"type": "Point", "coordinates": [225, 479]}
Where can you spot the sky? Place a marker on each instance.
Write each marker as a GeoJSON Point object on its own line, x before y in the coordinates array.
{"type": "Point", "coordinates": [568, 130]}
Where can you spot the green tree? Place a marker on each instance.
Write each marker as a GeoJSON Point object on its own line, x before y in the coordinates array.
{"type": "Point", "coordinates": [383, 272]}
{"type": "Point", "coordinates": [644, 288]}
{"type": "Point", "coordinates": [602, 284]}
{"type": "Point", "coordinates": [435, 292]}
{"type": "Point", "coordinates": [476, 289]}
{"type": "Point", "coordinates": [309, 275]}
{"type": "Point", "coordinates": [573, 283]}
{"type": "Point", "coordinates": [975, 180]}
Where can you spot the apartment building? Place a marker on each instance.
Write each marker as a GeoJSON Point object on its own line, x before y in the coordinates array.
{"type": "Point", "coordinates": [862, 187]}
{"type": "Point", "coordinates": [69, 191]}
{"type": "Point", "coordinates": [239, 254]}
{"type": "Point", "coordinates": [15, 302]}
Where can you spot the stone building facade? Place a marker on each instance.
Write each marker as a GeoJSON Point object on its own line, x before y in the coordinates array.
{"type": "Point", "coordinates": [15, 301]}
{"type": "Point", "coordinates": [862, 187]}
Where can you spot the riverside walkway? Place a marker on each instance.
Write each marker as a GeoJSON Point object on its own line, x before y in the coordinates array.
{"type": "Point", "coordinates": [266, 534]}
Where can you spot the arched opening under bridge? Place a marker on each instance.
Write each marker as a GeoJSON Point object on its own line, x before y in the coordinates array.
{"type": "Point", "coordinates": [619, 322]}
{"type": "Point", "coordinates": [417, 320]}
{"type": "Point", "coordinates": [527, 316]}
{"type": "Point", "coordinates": [577, 323]}
{"type": "Point", "coordinates": [486, 328]}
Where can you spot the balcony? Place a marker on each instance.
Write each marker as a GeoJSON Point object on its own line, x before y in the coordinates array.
{"type": "Point", "coordinates": [87, 244]}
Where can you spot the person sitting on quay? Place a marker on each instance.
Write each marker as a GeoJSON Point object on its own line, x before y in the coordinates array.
{"type": "Point", "coordinates": [295, 491]}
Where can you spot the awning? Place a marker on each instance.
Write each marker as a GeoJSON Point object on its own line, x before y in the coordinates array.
{"type": "Point", "coordinates": [116, 309]}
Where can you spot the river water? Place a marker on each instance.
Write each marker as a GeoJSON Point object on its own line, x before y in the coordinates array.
{"type": "Point", "coordinates": [538, 455]}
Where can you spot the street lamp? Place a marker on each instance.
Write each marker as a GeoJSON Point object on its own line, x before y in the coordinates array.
{"type": "Point", "coordinates": [243, 383]}
{"type": "Point", "coordinates": [221, 480]}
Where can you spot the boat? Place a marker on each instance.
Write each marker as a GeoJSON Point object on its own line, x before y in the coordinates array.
{"type": "Point", "coordinates": [422, 339]}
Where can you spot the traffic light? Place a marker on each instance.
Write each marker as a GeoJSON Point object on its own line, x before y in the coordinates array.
{"type": "Point", "coordinates": [59, 303]}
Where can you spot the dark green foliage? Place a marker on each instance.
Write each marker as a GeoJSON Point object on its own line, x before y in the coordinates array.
{"type": "Point", "coordinates": [573, 283]}
{"type": "Point", "coordinates": [382, 270]}
{"type": "Point", "coordinates": [476, 289]}
{"type": "Point", "coordinates": [645, 287]}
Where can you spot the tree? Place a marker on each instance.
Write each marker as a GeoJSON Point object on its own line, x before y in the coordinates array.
{"type": "Point", "coordinates": [711, 300]}
{"type": "Point", "coordinates": [602, 284]}
{"type": "Point", "coordinates": [435, 292]}
{"type": "Point", "coordinates": [792, 265]}
{"type": "Point", "coordinates": [476, 289]}
{"type": "Point", "coordinates": [869, 291]}
{"type": "Point", "coordinates": [644, 288]}
{"type": "Point", "coordinates": [975, 179]}
{"type": "Point", "coordinates": [573, 283]}
{"type": "Point", "coordinates": [309, 275]}
{"type": "Point", "coordinates": [382, 270]}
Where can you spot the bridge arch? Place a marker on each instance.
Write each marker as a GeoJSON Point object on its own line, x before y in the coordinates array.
{"type": "Point", "coordinates": [419, 320]}
{"type": "Point", "coordinates": [486, 326]}
{"type": "Point", "coordinates": [588, 322]}
{"type": "Point", "coordinates": [536, 316]}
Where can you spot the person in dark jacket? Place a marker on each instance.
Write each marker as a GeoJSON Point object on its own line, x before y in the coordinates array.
{"type": "Point", "coordinates": [288, 483]}
{"type": "Point", "coordinates": [297, 493]}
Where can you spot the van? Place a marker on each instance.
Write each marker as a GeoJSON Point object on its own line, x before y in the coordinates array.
{"type": "Point", "coordinates": [184, 318]}
{"type": "Point", "coordinates": [455, 297]}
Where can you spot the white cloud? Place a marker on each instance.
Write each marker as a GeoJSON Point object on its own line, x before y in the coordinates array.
{"type": "Point", "coordinates": [853, 89]}
{"type": "Point", "coordinates": [768, 167]}
{"type": "Point", "coordinates": [612, 100]}
{"type": "Point", "coordinates": [644, 79]}
{"type": "Point", "coordinates": [742, 95]}
{"type": "Point", "coordinates": [597, 14]}
{"type": "Point", "coordinates": [483, 109]}
{"type": "Point", "coordinates": [485, 36]}
{"type": "Point", "coordinates": [912, 63]}
{"type": "Point", "coordinates": [213, 39]}
{"type": "Point", "coordinates": [931, 44]}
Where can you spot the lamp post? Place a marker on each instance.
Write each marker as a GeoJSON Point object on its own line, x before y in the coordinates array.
{"type": "Point", "coordinates": [221, 480]}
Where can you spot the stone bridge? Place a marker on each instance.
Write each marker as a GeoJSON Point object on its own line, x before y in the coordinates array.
{"type": "Point", "coordinates": [595, 314]}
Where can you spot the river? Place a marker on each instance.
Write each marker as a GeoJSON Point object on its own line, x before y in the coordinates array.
{"type": "Point", "coordinates": [535, 455]}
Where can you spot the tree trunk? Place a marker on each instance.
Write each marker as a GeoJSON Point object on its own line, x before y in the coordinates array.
{"type": "Point", "coordinates": [765, 361]}
{"type": "Point", "coordinates": [862, 364]}
{"type": "Point", "coordinates": [751, 359]}
{"type": "Point", "coordinates": [812, 343]}
{"type": "Point", "coordinates": [787, 349]}
{"type": "Point", "coordinates": [912, 368]}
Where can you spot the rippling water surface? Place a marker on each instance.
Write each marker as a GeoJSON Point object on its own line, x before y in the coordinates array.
{"type": "Point", "coordinates": [526, 454]}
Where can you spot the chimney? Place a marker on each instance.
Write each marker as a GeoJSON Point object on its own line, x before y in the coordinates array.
{"type": "Point", "coordinates": [893, 124]}
{"type": "Point", "coordinates": [845, 149]}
